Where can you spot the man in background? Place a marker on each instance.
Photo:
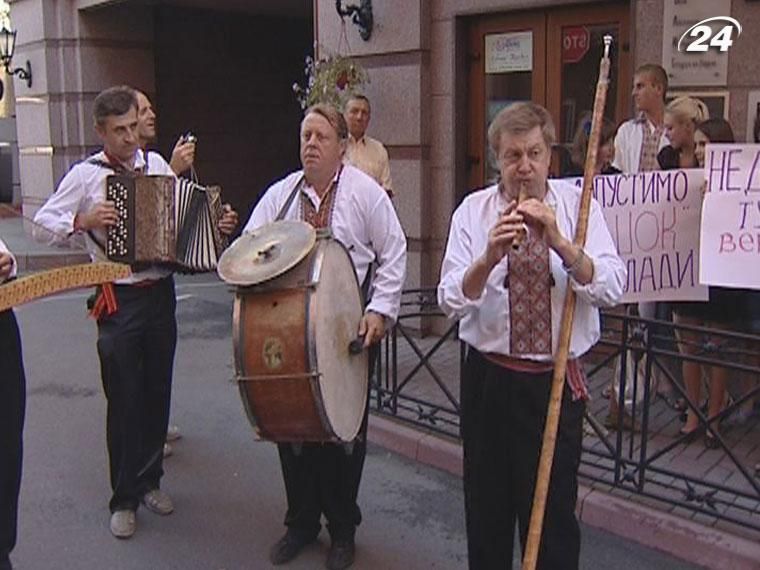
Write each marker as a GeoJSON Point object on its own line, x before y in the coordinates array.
{"type": "Point", "coordinates": [365, 153]}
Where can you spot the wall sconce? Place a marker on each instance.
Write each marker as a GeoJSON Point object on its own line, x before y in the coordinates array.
{"type": "Point", "coordinates": [7, 47]}
{"type": "Point", "coordinates": [361, 15]}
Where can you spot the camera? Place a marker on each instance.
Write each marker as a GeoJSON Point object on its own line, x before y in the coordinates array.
{"type": "Point", "coordinates": [189, 138]}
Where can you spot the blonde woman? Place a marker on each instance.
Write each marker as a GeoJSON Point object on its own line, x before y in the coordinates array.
{"type": "Point", "coordinates": [682, 115]}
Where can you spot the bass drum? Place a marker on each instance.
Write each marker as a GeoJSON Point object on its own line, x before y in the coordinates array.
{"type": "Point", "coordinates": [298, 379]}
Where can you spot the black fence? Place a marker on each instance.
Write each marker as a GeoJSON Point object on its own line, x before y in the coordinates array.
{"type": "Point", "coordinates": [633, 440]}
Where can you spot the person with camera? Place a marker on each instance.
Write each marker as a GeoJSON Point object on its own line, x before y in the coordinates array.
{"type": "Point", "coordinates": [182, 159]}
{"type": "Point", "coordinates": [183, 154]}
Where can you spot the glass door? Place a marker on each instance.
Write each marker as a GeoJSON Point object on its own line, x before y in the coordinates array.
{"type": "Point", "coordinates": [574, 36]}
{"type": "Point", "coordinates": [507, 64]}
{"type": "Point", "coordinates": [550, 57]}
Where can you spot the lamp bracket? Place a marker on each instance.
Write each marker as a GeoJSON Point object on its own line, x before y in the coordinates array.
{"type": "Point", "coordinates": [361, 15]}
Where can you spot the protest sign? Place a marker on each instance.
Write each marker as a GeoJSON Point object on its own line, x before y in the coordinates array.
{"type": "Point", "coordinates": [653, 218]}
{"type": "Point", "coordinates": [730, 234]}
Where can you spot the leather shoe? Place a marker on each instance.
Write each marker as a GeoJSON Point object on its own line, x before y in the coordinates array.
{"type": "Point", "coordinates": [158, 502]}
{"type": "Point", "coordinates": [288, 547]}
{"type": "Point", "coordinates": [123, 523]}
{"type": "Point", "coordinates": [341, 555]}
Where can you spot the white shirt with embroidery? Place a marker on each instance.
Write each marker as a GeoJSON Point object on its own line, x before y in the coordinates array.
{"type": "Point", "coordinates": [628, 141]}
{"type": "Point", "coordinates": [484, 322]}
{"type": "Point", "coordinates": [363, 220]}
{"type": "Point", "coordinates": [81, 189]}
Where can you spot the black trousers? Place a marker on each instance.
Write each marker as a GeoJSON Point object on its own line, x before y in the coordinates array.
{"type": "Point", "coordinates": [503, 416]}
{"type": "Point", "coordinates": [12, 408]}
{"type": "Point", "coordinates": [136, 347]}
{"type": "Point", "coordinates": [324, 478]}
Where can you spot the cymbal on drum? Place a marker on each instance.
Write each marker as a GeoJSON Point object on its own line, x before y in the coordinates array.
{"type": "Point", "coordinates": [266, 253]}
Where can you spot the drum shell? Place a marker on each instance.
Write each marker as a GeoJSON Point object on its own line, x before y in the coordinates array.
{"type": "Point", "coordinates": [275, 325]}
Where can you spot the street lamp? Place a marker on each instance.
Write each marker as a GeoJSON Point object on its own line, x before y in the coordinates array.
{"type": "Point", "coordinates": [361, 15]}
{"type": "Point", "coordinates": [7, 47]}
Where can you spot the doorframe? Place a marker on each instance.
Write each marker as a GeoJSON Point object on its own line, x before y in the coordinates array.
{"type": "Point", "coordinates": [517, 22]}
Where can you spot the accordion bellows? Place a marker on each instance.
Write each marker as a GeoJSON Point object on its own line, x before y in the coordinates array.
{"type": "Point", "coordinates": [161, 224]}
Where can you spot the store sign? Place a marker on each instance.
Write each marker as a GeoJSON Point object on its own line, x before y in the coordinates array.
{"type": "Point", "coordinates": [695, 41]}
{"type": "Point", "coordinates": [508, 53]}
{"type": "Point", "coordinates": [575, 43]}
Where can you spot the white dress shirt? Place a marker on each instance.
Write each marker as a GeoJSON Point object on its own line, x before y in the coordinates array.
{"type": "Point", "coordinates": [14, 268]}
{"type": "Point", "coordinates": [363, 220]}
{"type": "Point", "coordinates": [628, 140]}
{"type": "Point", "coordinates": [81, 189]}
{"type": "Point", "coordinates": [485, 321]}
{"type": "Point", "coordinates": [370, 156]}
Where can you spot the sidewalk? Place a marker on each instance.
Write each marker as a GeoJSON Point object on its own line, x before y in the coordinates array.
{"type": "Point", "coordinates": [654, 527]}
{"type": "Point", "coordinates": [33, 256]}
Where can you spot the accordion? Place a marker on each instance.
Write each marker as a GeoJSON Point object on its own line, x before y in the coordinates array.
{"type": "Point", "coordinates": [165, 221]}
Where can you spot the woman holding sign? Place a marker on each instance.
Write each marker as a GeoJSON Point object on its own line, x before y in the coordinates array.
{"type": "Point", "coordinates": [723, 310]}
{"type": "Point", "coordinates": [682, 115]}
{"type": "Point", "coordinates": [744, 305]}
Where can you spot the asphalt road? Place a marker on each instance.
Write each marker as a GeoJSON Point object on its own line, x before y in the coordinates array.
{"type": "Point", "coordinates": [227, 488]}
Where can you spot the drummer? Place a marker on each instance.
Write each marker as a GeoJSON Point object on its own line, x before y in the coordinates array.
{"type": "Point", "coordinates": [324, 478]}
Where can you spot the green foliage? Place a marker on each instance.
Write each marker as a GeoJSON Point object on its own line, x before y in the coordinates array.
{"type": "Point", "coordinates": [332, 79]}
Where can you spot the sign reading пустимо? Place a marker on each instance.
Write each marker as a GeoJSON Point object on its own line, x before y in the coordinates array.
{"type": "Point", "coordinates": [653, 218]}
{"type": "Point", "coordinates": [730, 228]}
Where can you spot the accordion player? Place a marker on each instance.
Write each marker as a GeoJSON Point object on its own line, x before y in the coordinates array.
{"type": "Point", "coordinates": [165, 221]}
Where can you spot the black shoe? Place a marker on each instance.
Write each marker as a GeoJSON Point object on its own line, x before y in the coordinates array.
{"type": "Point", "coordinates": [341, 554]}
{"type": "Point", "coordinates": [288, 547]}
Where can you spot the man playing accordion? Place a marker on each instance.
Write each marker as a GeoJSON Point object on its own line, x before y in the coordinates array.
{"type": "Point", "coordinates": [137, 329]}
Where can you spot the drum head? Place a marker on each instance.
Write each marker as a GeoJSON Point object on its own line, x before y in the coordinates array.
{"type": "Point", "coordinates": [343, 377]}
{"type": "Point", "coordinates": [266, 252]}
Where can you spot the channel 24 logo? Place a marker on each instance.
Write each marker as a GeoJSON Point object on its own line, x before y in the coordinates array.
{"type": "Point", "coordinates": [702, 36]}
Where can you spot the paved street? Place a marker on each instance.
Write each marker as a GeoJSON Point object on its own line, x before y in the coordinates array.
{"type": "Point", "coordinates": [227, 488]}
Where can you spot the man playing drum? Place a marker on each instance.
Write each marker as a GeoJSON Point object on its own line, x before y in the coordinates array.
{"type": "Point", "coordinates": [324, 478]}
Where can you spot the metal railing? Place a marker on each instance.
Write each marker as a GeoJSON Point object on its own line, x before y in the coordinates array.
{"type": "Point", "coordinates": [633, 444]}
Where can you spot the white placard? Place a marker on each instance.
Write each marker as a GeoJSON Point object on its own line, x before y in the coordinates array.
{"type": "Point", "coordinates": [730, 236]}
{"type": "Point", "coordinates": [653, 218]}
{"type": "Point", "coordinates": [510, 52]}
{"type": "Point", "coordinates": [693, 68]}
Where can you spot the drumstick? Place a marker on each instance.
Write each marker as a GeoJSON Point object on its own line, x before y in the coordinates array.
{"type": "Point", "coordinates": [356, 346]}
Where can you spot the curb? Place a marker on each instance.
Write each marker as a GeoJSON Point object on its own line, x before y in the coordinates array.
{"type": "Point", "coordinates": [684, 539]}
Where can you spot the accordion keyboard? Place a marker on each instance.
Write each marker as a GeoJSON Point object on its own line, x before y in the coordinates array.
{"type": "Point", "coordinates": [116, 245]}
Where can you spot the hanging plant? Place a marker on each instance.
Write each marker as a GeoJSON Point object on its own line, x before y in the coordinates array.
{"type": "Point", "coordinates": [332, 79]}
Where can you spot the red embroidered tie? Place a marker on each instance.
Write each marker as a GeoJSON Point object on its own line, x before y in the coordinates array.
{"type": "Point", "coordinates": [649, 147]}
{"type": "Point", "coordinates": [530, 310]}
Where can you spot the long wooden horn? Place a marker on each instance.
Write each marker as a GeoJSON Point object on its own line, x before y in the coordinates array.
{"type": "Point", "coordinates": [538, 511]}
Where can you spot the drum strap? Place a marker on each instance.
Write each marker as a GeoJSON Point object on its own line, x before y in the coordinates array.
{"type": "Point", "coordinates": [289, 201]}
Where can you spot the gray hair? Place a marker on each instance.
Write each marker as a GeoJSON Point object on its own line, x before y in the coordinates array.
{"type": "Point", "coordinates": [519, 118]}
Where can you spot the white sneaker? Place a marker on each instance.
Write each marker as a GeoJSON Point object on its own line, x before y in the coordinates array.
{"type": "Point", "coordinates": [168, 450]}
{"type": "Point", "coordinates": [123, 523]}
{"type": "Point", "coordinates": [173, 433]}
{"type": "Point", "coordinates": [158, 502]}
